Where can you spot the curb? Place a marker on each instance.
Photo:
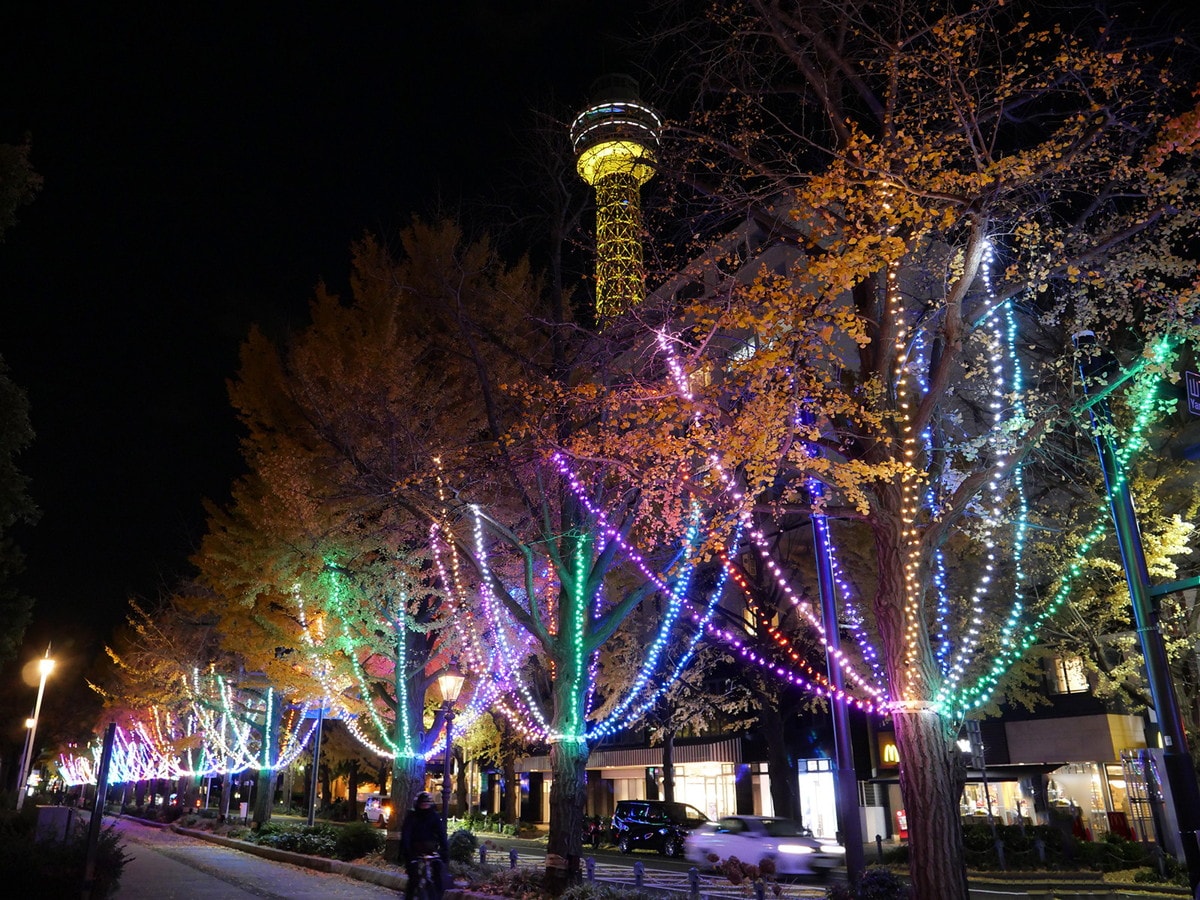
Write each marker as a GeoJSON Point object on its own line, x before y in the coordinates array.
{"type": "Point", "coordinates": [317, 863]}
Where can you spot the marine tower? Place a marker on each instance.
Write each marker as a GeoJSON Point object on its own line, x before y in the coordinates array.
{"type": "Point", "coordinates": [615, 141]}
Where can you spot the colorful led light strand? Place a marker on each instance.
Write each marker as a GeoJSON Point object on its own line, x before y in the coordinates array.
{"type": "Point", "coordinates": [1022, 639]}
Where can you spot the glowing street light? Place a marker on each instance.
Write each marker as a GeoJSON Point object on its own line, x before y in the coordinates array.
{"type": "Point", "coordinates": [450, 682]}
{"type": "Point", "coordinates": [45, 667]}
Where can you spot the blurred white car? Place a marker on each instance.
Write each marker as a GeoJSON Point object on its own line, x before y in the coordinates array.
{"type": "Point", "coordinates": [753, 839]}
{"type": "Point", "coordinates": [377, 810]}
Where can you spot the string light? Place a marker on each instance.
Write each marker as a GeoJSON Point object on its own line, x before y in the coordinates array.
{"type": "Point", "coordinates": [1022, 638]}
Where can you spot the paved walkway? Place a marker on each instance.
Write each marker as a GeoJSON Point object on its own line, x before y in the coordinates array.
{"type": "Point", "coordinates": [170, 866]}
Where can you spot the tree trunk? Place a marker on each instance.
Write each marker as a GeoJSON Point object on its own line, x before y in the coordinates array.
{"type": "Point", "coordinates": [668, 766]}
{"type": "Point", "coordinates": [189, 792]}
{"type": "Point", "coordinates": [568, 793]}
{"type": "Point", "coordinates": [264, 797]}
{"type": "Point", "coordinates": [264, 800]}
{"type": "Point", "coordinates": [408, 729]}
{"type": "Point", "coordinates": [352, 776]}
{"type": "Point", "coordinates": [930, 791]}
{"type": "Point", "coordinates": [226, 795]}
{"type": "Point", "coordinates": [785, 789]}
{"type": "Point", "coordinates": [928, 779]}
{"type": "Point", "coordinates": [289, 775]}
{"type": "Point", "coordinates": [511, 799]}
{"type": "Point", "coordinates": [408, 779]}
{"type": "Point", "coordinates": [460, 785]}
{"type": "Point", "coordinates": [326, 777]}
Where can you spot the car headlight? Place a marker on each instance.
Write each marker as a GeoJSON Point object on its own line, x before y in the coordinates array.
{"type": "Point", "coordinates": [797, 849]}
{"type": "Point", "coordinates": [833, 848]}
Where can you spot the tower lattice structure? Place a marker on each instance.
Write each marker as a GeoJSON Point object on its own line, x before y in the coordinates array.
{"type": "Point", "coordinates": [615, 141]}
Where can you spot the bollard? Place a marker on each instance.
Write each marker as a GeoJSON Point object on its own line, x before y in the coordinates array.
{"type": "Point", "coordinates": [1000, 853]}
{"type": "Point", "coordinates": [1040, 846]}
{"type": "Point", "coordinates": [589, 865]}
{"type": "Point", "coordinates": [512, 858]}
{"type": "Point", "coordinates": [879, 846]}
{"type": "Point", "coordinates": [760, 890]}
{"type": "Point", "coordinates": [639, 874]}
{"type": "Point", "coordinates": [694, 882]}
{"type": "Point", "coordinates": [483, 855]}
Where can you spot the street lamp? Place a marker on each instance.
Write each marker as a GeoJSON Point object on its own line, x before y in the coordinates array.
{"type": "Point", "coordinates": [45, 667]}
{"type": "Point", "coordinates": [450, 683]}
{"type": "Point", "coordinates": [1146, 601]}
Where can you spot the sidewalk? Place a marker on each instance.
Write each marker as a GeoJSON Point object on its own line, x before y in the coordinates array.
{"type": "Point", "coordinates": [171, 866]}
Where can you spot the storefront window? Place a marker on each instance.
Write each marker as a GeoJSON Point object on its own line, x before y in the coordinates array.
{"type": "Point", "coordinates": [1076, 790]}
{"type": "Point", "coordinates": [1009, 803]}
{"type": "Point", "coordinates": [708, 787]}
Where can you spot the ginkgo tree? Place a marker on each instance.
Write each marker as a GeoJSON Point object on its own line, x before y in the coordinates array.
{"type": "Point", "coordinates": [404, 478]}
{"type": "Point", "coordinates": [188, 708]}
{"type": "Point", "coordinates": [315, 556]}
{"type": "Point", "coordinates": [939, 199]}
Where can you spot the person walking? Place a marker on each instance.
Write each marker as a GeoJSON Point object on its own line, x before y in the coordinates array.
{"type": "Point", "coordinates": [422, 834]}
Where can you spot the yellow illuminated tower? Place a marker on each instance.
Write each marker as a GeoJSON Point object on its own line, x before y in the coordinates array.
{"type": "Point", "coordinates": [615, 141]}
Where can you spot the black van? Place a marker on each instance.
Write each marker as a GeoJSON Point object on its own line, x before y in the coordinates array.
{"type": "Point", "coordinates": [654, 825]}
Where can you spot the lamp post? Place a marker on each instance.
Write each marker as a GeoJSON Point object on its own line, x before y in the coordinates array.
{"type": "Point", "coordinates": [45, 667]}
{"type": "Point", "coordinates": [450, 683]}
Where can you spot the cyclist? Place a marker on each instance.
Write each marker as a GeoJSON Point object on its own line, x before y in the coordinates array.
{"type": "Point", "coordinates": [423, 834]}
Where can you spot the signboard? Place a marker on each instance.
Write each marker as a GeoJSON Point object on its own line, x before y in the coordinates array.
{"type": "Point", "coordinates": [1192, 379]}
{"type": "Point", "coordinates": [889, 756]}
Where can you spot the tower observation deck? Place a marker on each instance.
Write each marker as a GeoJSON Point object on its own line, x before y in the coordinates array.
{"type": "Point", "coordinates": [615, 141]}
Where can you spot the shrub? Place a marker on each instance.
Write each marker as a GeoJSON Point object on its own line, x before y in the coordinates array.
{"type": "Point", "coordinates": [1114, 853]}
{"type": "Point", "coordinates": [598, 891]}
{"type": "Point", "coordinates": [524, 884]}
{"type": "Point", "coordinates": [52, 869]}
{"type": "Point", "coordinates": [320, 840]}
{"type": "Point", "coordinates": [170, 813]}
{"type": "Point", "coordinates": [1172, 872]}
{"type": "Point", "coordinates": [358, 839]}
{"type": "Point", "coordinates": [462, 846]}
{"type": "Point", "coordinates": [876, 884]}
{"type": "Point", "coordinates": [881, 884]}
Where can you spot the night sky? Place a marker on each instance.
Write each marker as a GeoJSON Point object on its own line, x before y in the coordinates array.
{"type": "Point", "coordinates": [205, 165]}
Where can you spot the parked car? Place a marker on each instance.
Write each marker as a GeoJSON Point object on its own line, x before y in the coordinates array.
{"type": "Point", "coordinates": [753, 839]}
{"type": "Point", "coordinates": [377, 809]}
{"type": "Point", "coordinates": [654, 825]}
